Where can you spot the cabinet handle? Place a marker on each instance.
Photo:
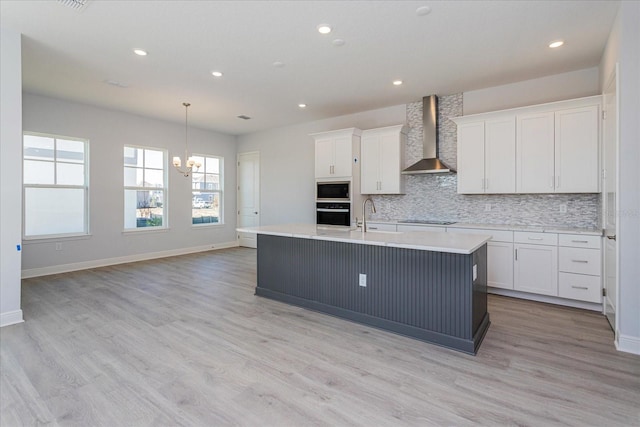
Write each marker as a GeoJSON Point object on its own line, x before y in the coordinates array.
{"type": "Point", "coordinates": [580, 261]}
{"type": "Point", "coordinates": [535, 238]}
{"type": "Point", "coordinates": [516, 254]}
{"type": "Point", "coordinates": [580, 241]}
{"type": "Point", "coordinates": [579, 287]}
{"type": "Point", "coordinates": [373, 228]}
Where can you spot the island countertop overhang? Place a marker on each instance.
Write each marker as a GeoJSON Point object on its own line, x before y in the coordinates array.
{"type": "Point", "coordinates": [458, 243]}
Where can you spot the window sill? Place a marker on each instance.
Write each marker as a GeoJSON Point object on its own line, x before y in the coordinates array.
{"type": "Point", "coordinates": [55, 238]}
{"type": "Point", "coordinates": [211, 224]}
{"type": "Point", "coordinates": [144, 230]}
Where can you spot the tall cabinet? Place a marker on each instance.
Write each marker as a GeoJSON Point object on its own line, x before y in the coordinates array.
{"type": "Point", "coordinates": [382, 155]}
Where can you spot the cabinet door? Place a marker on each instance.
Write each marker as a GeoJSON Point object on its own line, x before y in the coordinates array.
{"type": "Point", "coordinates": [500, 155]}
{"type": "Point", "coordinates": [576, 150]}
{"type": "Point", "coordinates": [471, 158]}
{"type": "Point", "coordinates": [500, 265]}
{"type": "Point", "coordinates": [369, 165]}
{"type": "Point", "coordinates": [342, 157]}
{"type": "Point", "coordinates": [324, 158]}
{"type": "Point", "coordinates": [535, 153]}
{"type": "Point", "coordinates": [390, 163]}
{"type": "Point", "coordinates": [536, 269]}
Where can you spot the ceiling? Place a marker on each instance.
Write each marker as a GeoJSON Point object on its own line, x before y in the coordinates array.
{"type": "Point", "coordinates": [458, 46]}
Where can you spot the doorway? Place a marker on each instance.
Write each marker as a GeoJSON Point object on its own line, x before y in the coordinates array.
{"type": "Point", "coordinates": [610, 198]}
{"type": "Point", "coordinates": [248, 196]}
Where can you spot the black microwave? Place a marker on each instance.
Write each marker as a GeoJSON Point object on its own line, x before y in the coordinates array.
{"type": "Point", "coordinates": [333, 190]}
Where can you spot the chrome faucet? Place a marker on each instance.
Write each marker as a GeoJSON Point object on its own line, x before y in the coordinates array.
{"type": "Point", "coordinates": [364, 212]}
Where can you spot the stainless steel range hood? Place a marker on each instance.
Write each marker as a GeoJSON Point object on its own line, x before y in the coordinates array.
{"type": "Point", "coordinates": [430, 162]}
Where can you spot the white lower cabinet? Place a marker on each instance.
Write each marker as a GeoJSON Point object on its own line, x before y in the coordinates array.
{"type": "Point", "coordinates": [500, 265]}
{"type": "Point", "coordinates": [536, 269]}
{"type": "Point", "coordinates": [415, 227]}
{"type": "Point", "coordinates": [580, 265]}
{"type": "Point", "coordinates": [580, 287]}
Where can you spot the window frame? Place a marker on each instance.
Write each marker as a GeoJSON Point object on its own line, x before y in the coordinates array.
{"type": "Point", "coordinates": [164, 188]}
{"type": "Point", "coordinates": [85, 187]}
{"type": "Point", "coordinates": [220, 192]}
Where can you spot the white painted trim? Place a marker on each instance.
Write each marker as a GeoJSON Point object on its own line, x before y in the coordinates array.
{"type": "Point", "coordinates": [65, 268]}
{"type": "Point", "coordinates": [11, 318]}
{"type": "Point", "coordinates": [628, 344]}
{"type": "Point", "coordinates": [545, 298]}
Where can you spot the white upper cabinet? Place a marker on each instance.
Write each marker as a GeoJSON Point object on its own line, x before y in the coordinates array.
{"type": "Point", "coordinates": [576, 150]}
{"type": "Point", "coordinates": [335, 152]}
{"type": "Point", "coordinates": [382, 157]}
{"type": "Point", "coordinates": [487, 156]}
{"type": "Point", "coordinates": [549, 148]}
{"type": "Point", "coordinates": [535, 153]}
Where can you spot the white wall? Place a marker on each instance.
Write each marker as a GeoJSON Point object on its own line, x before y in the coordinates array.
{"type": "Point", "coordinates": [287, 162]}
{"type": "Point", "coordinates": [108, 131]}
{"type": "Point", "coordinates": [624, 47]}
{"type": "Point", "coordinates": [574, 84]}
{"type": "Point", "coordinates": [10, 176]}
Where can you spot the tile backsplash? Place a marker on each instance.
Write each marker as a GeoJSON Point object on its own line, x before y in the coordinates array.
{"type": "Point", "coordinates": [434, 196]}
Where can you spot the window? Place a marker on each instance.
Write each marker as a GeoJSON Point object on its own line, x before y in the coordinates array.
{"type": "Point", "coordinates": [55, 181]}
{"type": "Point", "coordinates": [145, 189]}
{"type": "Point", "coordinates": [206, 186]}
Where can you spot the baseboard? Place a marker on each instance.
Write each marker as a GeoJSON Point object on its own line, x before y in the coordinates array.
{"type": "Point", "coordinates": [628, 344]}
{"type": "Point", "coordinates": [545, 298]}
{"type": "Point", "coordinates": [65, 268]}
{"type": "Point", "coordinates": [11, 318]}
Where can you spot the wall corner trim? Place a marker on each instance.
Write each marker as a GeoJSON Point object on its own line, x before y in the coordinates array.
{"type": "Point", "coordinates": [628, 344]}
{"type": "Point", "coordinates": [11, 318]}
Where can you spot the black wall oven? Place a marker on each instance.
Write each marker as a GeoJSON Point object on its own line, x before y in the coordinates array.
{"type": "Point", "coordinates": [333, 191]}
{"type": "Point", "coordinates": [333, 213]}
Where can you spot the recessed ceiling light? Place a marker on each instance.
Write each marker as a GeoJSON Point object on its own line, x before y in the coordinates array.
{"type": "Point", "coordinates": [423, 10]}
{"type": "Point", "coordinates": [140, 52]}
{"type": "Point", "coordinates": [216, 74]}
{"type": "Point", "coordinates": [555, 44]}
{"type": "Point", "coordinates": [338, 42]}
{"type": "Point", "coordinates": [324, 29]}
{"type": "Point", "coordinates": [278, 64]}
{"type": "Point", "coordinates": [397, 82]}
{"type": "Point", "coordinates": [302, 105]}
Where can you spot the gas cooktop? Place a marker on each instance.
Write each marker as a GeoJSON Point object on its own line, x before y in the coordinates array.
{"type": "Point", "coordinates": [426, 221]}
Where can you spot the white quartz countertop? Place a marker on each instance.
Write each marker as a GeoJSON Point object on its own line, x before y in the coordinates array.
{"type": "Point", "coordinates": [459, 243]}
{"type": "Point", "coordinates": [506, 227]}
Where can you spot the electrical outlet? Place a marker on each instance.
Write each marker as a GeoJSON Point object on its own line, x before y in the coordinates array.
{"type": "Point", "coordinates": [563, 208]}
{"type": "Point", "coordinates": [58, 246]}
{"type": "Point", "coordinates": [487, 207]}
{"type": "Point", "coordinates": [363, 280]}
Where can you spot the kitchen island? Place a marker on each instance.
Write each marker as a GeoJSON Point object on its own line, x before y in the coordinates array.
{"type": "Point", "coordinates": [426, 285]}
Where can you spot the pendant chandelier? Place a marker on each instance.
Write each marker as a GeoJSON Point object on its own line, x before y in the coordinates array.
{"type": "Point", "coordinates": [190, 162]}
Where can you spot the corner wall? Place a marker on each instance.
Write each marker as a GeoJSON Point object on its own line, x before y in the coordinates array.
{"type": "Point", "coordinates": [10, 176]}
{"type": "Point", "coordinates": [624, 47]}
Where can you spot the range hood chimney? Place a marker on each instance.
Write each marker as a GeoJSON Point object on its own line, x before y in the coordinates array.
{"type": "Point", "coordinates": [430, 162]}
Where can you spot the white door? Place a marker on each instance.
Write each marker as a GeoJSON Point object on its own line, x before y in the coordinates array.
{"type": "Point", "coordinates": [248, 196]}
{"type": "Point", "coordinates": [609, 196]}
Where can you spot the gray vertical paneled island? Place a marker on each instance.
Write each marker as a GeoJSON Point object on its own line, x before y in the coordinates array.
{"type": "Point", "coordinates": [429, 286]}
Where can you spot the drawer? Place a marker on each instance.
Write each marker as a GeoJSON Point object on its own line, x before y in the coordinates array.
{"type": "Point", "coordinates": [414, 227]}
{"type": "Point", "coordinates": [496, 235]}
{"type": "Point", "coordinates": [578, 260]}
{"type": "Point", "coordinates": [380, 226]}
{"type": "Point", "coordinates": [580, 287]}
{"type": "Point", "coordinates": [532, 238]}
{"type": "Point", "coordinates": [579, 241]}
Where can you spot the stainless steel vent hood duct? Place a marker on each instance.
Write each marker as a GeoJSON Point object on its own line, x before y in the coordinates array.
{"type": "Point", "coordinates": [430, 162]}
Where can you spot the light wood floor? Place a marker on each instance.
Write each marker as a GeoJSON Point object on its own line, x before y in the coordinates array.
{"type": "Point", "coordinates": [183, 341]}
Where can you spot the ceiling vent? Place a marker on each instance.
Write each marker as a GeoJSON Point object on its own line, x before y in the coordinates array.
{"type": "Point", "coordinates": [77, 5]}
{"type": "Point", "coordinates": [243, 117]}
